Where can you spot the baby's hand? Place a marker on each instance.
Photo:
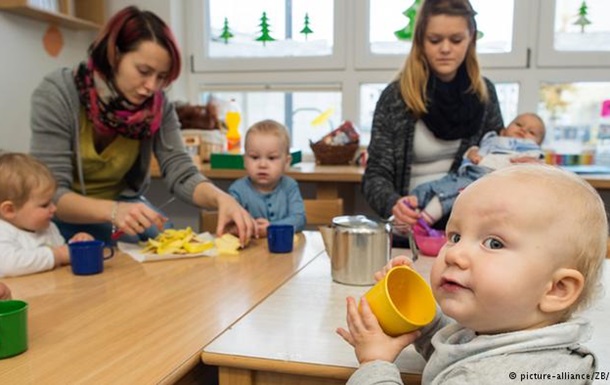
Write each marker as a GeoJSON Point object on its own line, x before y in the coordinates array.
{"type": "Point", "coordinates": [525, 159]}
{"type": "Point", "coordinates": [396, 261]}
{"type": "Point", "coordinates": [79, 237]}
{"type": "Point", "coordinates": [261, 225]}
{"type": "Point", "coordinates": [61, 255]}
{"type": "Point", "coordinates": [5, 292]}
{"type": "Point", "coordinates": [368, 339]}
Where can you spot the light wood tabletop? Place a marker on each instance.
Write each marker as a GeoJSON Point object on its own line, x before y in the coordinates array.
{"type": "Point", "coordinates": [141, 323]}
{"type": "Point", "coordinates": [312, 172]}
{"type": "Point", "coordinates": [327, 178]}
{"type": "Point", "coordinates": [299, 343]}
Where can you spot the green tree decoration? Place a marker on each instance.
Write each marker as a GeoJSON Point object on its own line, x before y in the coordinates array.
{"type": "Point", "coordinates": [306, 30]}
{"type": "Point", "coordinates": [226, 32]}
{"type": "Point", "coordinates": [582, 17]}
{"type": "Point", "coordinates": [264, 37]}
{"type": "Point", "coordinates": [407, 32]}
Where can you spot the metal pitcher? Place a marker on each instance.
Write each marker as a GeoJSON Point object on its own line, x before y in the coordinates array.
{"type": "Point", "coordinates": [357, 247]}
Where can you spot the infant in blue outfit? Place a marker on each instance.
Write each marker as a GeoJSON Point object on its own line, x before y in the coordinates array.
{"type": "Point", "coordinates": [269, 196]}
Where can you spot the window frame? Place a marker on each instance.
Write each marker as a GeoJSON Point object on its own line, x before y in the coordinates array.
{"type": "Point", "coordinates": [517, 58]}
{"type": "Point", "coordinates": [201, 62]}
{"type": "Point", "coordinates": [549, 57]}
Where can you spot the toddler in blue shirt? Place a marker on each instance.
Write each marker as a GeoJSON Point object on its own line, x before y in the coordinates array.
{"type": "Point", "coordinates": [269, 196]}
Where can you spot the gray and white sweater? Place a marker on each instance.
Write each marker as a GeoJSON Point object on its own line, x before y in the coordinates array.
{"type": "Point", "coordinates": [55, 128]}
{"type": "Point", "coordinates": [456, 355]}
{"type": "Point", "coordinates": [388, 170]}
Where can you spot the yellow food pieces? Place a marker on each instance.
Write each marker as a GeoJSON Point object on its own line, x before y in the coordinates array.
{"type": "Point", "coordinates": [172, 241]}
{"type": "Point", "coordinates": [228, 244]}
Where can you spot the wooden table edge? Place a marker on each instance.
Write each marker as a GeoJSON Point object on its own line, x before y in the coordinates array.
{"type": "Point", "coordinates": [288, 367]}
{"type": "Point", "coordinates": [190, 364]}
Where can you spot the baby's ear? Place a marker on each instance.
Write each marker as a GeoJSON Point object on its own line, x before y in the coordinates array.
{"type": "Point", "coordinates": [564, 290]}
{"type": "Point", "coordinates": [288, 161]}
{"type": "Point", "coordinates": [7, 209]}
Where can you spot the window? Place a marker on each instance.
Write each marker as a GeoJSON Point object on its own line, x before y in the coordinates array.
{"type": "Point", "coordinates": [525, 45]}
{"type": "Point", "coordinates": [307, 115]}
{"type": "Point", "coordinates": [390, 25]}
{"type": "Point", "coordinates": [573, 113]}
{"type": "Point", "coordinates": [577, 33]}
{"type": "Point", "coordinates": [236, 35]}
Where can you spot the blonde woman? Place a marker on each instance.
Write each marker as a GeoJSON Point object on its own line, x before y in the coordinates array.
{"type": "Point", "coordinates": [436, 109]}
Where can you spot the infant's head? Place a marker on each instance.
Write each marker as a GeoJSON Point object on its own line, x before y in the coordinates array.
{"type": "Point", "coordinates": [272, 129]}
{"type": "Point", "coordinates": [526, 126]}
{"type": "Point", "coordinates": [22, 175]}
{"type": "Point", "coordinates": [26, 191]}
{"type": "Point", "coordinates": [525, 248]}
{"type": "Point", "coordinates": [267, 154]}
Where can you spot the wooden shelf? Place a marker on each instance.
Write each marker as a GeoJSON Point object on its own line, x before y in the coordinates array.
{"type": "Point", "coordinates": [76, 14]}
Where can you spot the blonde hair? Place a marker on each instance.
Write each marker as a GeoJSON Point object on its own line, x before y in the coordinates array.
{"type": "Point", "coordinates": [21, 174]}
{"type": "Point", "coordinates": [585, 245]}
{"type": "Point", "coordinates": [270, 127]}
{"type": "Point", "coordinates": [413, 78]}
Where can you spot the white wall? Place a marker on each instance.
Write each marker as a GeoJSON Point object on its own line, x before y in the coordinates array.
{"type": "Point", "coordinates": [23, 64]}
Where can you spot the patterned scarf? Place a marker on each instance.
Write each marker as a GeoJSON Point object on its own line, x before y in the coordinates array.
{"type": "Point", "coordinates": [112, 113]}
{"type": "Point", "coordinates": [453, 111]}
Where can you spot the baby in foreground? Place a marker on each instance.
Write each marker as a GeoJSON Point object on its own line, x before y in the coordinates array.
{"type": "Point", "coordinates": [525, 251]}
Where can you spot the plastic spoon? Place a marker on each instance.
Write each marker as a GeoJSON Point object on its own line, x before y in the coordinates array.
{"type": "Point", "coordinates": [431, 232]}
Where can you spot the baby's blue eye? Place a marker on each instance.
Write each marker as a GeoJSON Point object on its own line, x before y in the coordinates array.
{"type": "Point", "coordinates": [454, 238]}
{"type": "Point", "coordinates": [493, 243]}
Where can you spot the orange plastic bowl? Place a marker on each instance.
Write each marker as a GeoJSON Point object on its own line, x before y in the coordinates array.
{"type": "Point", "coordinates": [427, 245]}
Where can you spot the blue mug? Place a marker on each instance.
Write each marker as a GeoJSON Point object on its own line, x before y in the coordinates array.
{"type": "Point", "coordinates": [87, 257]}
{"type": "Point", "coordinates": [280, 238]}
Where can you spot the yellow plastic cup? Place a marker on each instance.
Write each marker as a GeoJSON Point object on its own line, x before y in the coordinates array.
{"type": "Point", "coordinates": [402, 301]}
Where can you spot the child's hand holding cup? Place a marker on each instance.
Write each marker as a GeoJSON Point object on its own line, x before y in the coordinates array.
{"type": "Point", "coordinates": [401, 300]}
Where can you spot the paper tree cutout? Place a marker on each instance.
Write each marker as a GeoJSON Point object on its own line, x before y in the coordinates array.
{"type": "Point", "coordinates": [264, 37]}
{"type": "Point", "coordinates": [226, 32]}
{"type": "Point", "coordinates": [306, 30]}
{"type": "Point", "coordinates": [582, 17]}
{"type": "Point", "coordinates": [407, 32]}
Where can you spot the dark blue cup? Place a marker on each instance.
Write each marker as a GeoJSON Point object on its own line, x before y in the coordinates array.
{"type": "Point", "coordinates": [87, 257]}
{"type": "Point", "coordinates": [280, 238]}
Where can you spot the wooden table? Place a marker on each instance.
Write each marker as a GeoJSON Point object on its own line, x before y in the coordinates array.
{"type": "Point", "coordinates": [141, 323]}
{"type": "Point", "coordinates": [328, 179]}
{"type": "Point", "coordinates": [299, 345]}
{"type": "Point", "coordinates": [598, 181]}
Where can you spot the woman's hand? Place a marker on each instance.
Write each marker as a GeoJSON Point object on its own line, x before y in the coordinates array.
{"type": "Point", "coordinates": [366, 336]}
{"type": "Point", "coordinates": [232, 213]}
{"type": "Point", "coordinates": [135, 218]}
{"type": "Point", "coordinates": [404, 211]}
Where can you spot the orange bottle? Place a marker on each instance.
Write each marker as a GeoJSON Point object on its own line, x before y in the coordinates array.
{"type": "Point", "coordinates": [232, 120]}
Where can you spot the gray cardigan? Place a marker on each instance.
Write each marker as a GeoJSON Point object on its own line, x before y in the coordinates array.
{"type": "Point", "coordinates": [456, 355]}
{"type": "Point", "coordinates": [388, 170]}
{"type": "Point", "coordinates": [55, 128]}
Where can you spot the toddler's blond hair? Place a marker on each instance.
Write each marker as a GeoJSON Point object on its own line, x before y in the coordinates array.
{"type": "Point", "coordinates": [270, 127]}
{"type": "Point", "coordinates": [20, 176]}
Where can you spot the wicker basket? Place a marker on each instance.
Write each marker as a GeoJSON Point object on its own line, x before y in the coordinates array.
{"type": "Point", "coordinates": [327, 154]}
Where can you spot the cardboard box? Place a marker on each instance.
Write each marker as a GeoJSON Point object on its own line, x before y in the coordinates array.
{"type": "Point", "coordinates": [236, 161]}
